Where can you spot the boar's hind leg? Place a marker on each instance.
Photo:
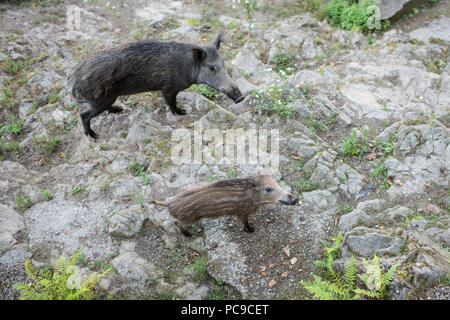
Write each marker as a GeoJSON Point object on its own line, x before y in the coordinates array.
{"type": "Point", "coordinates": [93, 111]}
{"type": "Point", "coordinates": [114, 109]}
{"type": "Point", "coordinates": [247, 227]}
{"type": "Point", "coordinates": [180, 227]}
{"type": "Point", "coordinates": [171, 100]}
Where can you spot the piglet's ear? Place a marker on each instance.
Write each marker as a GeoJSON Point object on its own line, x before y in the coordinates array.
{"type": "Point", "coordinates": [199, 54]}
{"type": "Point", "coordinates": [217, 41]}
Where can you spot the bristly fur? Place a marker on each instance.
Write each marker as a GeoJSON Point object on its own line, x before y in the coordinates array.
{"type": "Point", "coordinates": [226, 197]}
{"type": "Point", "coordinates": [232, 197]}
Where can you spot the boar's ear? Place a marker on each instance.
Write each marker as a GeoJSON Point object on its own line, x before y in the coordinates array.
{"type": "Point", "coordinates": [217, 41]}
{"type": "Point", "coordinates": [199, 54]}
{"type": "Point", "coordinates": [252, 181]}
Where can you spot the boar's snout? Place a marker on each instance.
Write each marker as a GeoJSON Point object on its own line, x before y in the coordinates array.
{"type": "Point", "coordinates": [291, 200]}
{"type": "Point", "coordinates": [235, 95]}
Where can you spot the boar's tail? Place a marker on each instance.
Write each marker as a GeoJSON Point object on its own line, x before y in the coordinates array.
{"type": "Point", "coordinates": [159, 203]}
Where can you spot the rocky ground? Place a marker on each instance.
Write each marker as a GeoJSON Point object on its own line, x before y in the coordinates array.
{"type": "Point", "coordinates": [353, 113]}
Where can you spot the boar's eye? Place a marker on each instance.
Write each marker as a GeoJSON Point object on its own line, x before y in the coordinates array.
{"type": "Point", "coordinates": [212, 68]}
{"type": "Point", "coordinates": [268, 190]}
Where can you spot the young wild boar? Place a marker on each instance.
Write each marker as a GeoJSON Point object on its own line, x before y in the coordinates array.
{"type": "Point", "coordinates": [235, 197]}
{"type": "Point", "coordinates": [147, 65]}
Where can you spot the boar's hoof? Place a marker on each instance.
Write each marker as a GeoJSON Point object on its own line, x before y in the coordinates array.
{"type": "Point", "coordinates": [186, 233]}
{"type": "Point", "coordinates": [114, 109]}
{"type": "Point", "coordinates": [248, 228]}
{"type": "Point", "coordinates": [180, 111]}
{"type": "Point", "coordinates": [92, 134]}
{"type": "Point", "coordinates": [239, 99]}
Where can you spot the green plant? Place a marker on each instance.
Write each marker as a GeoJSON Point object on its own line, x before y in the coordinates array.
{"type": "Point", "coordinates": [75, 191]}
{"type": "Point", "coordinates": [48, 145]}
{"type": "Point", "coordinates": [304, 185]}
{"type": "Point", "coordinates": [23, 202]}
{"type": "Point", "coordinates": [375, 279]}
{"type": "Point", "coordinates": [387, 148]}
{"type": "Point", "coordinates": [47, 195]}
{"type": "Point", "coordinates": [276, 99]}
{"type": "Point", "coordinates": [15, 126]}
{"type": "Point", "coordinates": [337, 288]}
{"type": "Point", "coordinates": [381, 171]}
{"type": "Point", "coordinates": [353, 146]}
{"type": "Point", "coordinates": [54, 98]}
{"type": "Point", "coordinates": [350, 15]}
{"type": "Point", "coordinates": [283, 64]}
{"type": "Point", "coordinates": [344, 287]}
{"type": "Point", "coordinates": [138, 197]}
{"type": "Point", "coordinates": [316, 126]}
{"type": "Point", "coordinates": [218, 292]}
{"type": "Point", "coordinates": [413, 12]}
{"type": "Point", "coordinates": [437, 65]}
{"type": "Point", "coordinates": [205, 91]}
{"type": "Point", "coordinates": [61, 282]}
{"type": "Point", "coordinates": [8, 98]}
{"type": "Point", "coordinates": [12, 67]}
{"type": "Point", "coordinates": [136, 168]}
{"type": "Point", "coordinates": [200, 268]}
{"type": "Point", "coordinates": [249, 7]}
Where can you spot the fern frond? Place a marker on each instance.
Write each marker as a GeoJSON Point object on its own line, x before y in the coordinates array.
{"type": "Point", "coordinates": [389, 276]}
{"type": "Point", "coordinates": [60, 265]}
{"type": "Point", "coordinates": [318, 288]}
{"type": "Point", "coordinates": [350, 272]}
{"type": "Point", "coordinates": [368, 293]}
{"type": "Point", "coordinates": [76, 257]}
{"type": "Point", "coordinates": [56, 285]}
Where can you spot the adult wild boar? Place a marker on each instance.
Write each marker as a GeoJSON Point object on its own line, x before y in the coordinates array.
{"type": "Point", "coordinates": [234, 197]}
{"type": "Point", "coordinates": [147, 65]}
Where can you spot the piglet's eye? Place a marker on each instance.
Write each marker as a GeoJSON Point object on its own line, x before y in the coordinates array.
{"type": "Point", "coordinates": [268, 190]}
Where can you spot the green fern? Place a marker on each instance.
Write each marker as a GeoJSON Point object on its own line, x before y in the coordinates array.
{"type": "Point", "coordinates": [62, 282]}
{"type": "Point", "coordinates": [375, 279]}
{"type": "Point", "coordinates": [344, 287]}
{"type": "Point", "coordinates": [350, 273]}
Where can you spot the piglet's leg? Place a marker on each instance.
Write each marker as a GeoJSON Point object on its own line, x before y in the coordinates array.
{"type": "Point", "coordinates": [247, 227]}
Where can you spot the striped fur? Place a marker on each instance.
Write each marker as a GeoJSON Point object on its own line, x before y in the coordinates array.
{"type": "Point", "coordinates": [234, 197]}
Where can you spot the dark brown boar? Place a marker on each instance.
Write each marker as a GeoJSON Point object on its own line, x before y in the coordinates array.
{"type": "Point", "coordinates": [147, 65]}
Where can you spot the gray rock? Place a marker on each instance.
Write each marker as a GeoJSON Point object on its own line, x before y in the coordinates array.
{"type": "Point", "coordinates": [134, 270]}
{"type": "Point", "coordinates": [420, 225]}
{"type": "Point", "coordinates": [439, 235]}
{"type": "Point", "coordinates": [156, 12]}
{"type": "Point", "coordinates": [68, 225]}
{"type": "Point", "coordinates": [128, 222]}
{"type": "Point", "coordinates": [192, 291]}
{"type": "Point", "coordinates": [12, 271]}
{"type": "Point", "coordinates": [223, 253]}
{"type": "Point", "coordinates": [394, 8]}
{"type": "Point", "coordinates": [387, 133]}
{"type": "Point", "coordinates": [351, 219]}
{"type": "Point", "coordinates": [409, 143]}
{"type": "Point", "coordinates": [366, 242]}
{"type": "Point", "coordinates": [429, 262]}
{"type": "Point", "coordinates": [305, 77]}
{"type": "Point", "coordinates": [309, 50]}
{"type": "Point", "coordinates": [436, 29]}
{"type": "Point", "coordinates": [144, 128]}
{"type": "Point", "coordinates": [10, 224]}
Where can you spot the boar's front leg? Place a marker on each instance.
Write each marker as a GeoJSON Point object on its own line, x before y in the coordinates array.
{"type": "Point", "coordinates": [171, 100]}
{"type": "Point", "coordinates": [247, 227]}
